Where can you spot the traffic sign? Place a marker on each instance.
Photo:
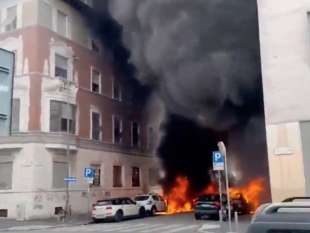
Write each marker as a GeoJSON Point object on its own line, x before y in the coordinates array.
{"type": "Point", "coordinates": [70, 179]}
{"type": "Point", "coordinates": [89, 172]}
{"type": "Point", "coordinates": [218, 161]}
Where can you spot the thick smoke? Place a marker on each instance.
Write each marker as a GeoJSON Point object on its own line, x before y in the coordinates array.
{"type": "Point", "coordinates": [202, 58]}
{"type": "Point", "coordinates": [201, 55]}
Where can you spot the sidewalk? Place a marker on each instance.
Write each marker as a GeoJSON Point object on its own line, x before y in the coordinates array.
{"type": "Point", "coordinates": [13, 225]}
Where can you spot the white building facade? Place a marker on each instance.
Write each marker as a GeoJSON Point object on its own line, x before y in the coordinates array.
{"type": "Point", "coordinates": [285, 54]}
{"type": "Point", "coordinates": [69, 112]}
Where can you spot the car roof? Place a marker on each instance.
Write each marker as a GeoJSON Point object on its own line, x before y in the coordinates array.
{"type": "Point", "coordinates": [294, 212]}
{"type": "Point", "coordinates": [113, 199]}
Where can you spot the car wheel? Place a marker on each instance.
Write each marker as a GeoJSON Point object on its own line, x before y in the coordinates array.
{"type": "Point", "coordinates": [197, 216]}
{"type": "Point", "coordinates": [119, 216]}
{"type": "Point", "coordinates": [142, 212]}
{"type": "Point", "coordinates": [153, 211]}
{"type": "Point", "coordinates": [96, 220]}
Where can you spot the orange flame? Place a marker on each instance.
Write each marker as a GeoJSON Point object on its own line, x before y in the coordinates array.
{"type": "Point", "coordinates": [251, 192]}
{"type": "Point", "coordinates": [179, 200]}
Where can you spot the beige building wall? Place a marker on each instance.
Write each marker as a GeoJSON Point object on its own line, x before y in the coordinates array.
{"type": "Point", "coordinates": [285, 53]}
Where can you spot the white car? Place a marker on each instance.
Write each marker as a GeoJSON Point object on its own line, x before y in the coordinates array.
{"type": "Point", "coordinates": [152, 203]}
{"type": "Point", "coordinates": [117, 209]}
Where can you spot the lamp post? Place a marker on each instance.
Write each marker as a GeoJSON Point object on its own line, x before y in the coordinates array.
{"type": "Point", "coordinates": [67, 203]}
{"type": "Point", "coordinates": [222, 149]}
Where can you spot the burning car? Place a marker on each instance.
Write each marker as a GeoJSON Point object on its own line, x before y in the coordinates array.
{"type": "Point", "coordinates": [209, 206]}
{"type": "Point", "coordinates": [240, 204]}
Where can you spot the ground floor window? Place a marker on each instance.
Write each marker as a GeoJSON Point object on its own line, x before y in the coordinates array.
{"type": "Point", "coordinates": [135, 177]}
{"type": "Point", "coordinates": [6, 170]}
{"type": "Point", "coordinates": [97, 180]}
{"type": "Point", "coordinates": [117, 176]}
{"type": "Point", "coordinates": [60, 171]}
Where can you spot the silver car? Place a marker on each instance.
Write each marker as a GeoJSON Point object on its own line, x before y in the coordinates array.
{"type": "Point", "coordinates": [290, 217]}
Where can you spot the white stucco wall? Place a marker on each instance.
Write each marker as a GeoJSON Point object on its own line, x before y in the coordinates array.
{"type": "Point", "coordinates": [285, 54]}
{"type": "Point", "coordinates": [32, 178]}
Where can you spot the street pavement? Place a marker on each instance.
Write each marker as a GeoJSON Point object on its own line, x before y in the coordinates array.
{"type": "Point", "coordinates": [181, 223]}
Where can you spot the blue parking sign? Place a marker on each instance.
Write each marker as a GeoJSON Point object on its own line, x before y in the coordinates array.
{"type": "Point", "coordinates": [89, 172]}
{"type": "Point", "coordinates": [218, 161]}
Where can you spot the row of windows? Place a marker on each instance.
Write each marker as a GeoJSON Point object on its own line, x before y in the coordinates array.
{"type": "Point", "coordinates": [60, 170]}
{"type": "Point", "coordinates": [62, 119]}
{"type": "Point", "coordinates": [45, 11]}
{"type": "Point", "coordinates": [62, 71]}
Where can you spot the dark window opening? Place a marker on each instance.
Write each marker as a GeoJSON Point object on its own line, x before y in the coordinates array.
{"type": "Point", "coordinates": [135, 134]}
{"type": "Point", "coordinates": [117, 91]}
{"type": "Point", "coordinates": [117, 176]}
{"type": "Point", "coordinates": [117, 130]}
{"type": "Point", "coordinates": [135, 177]}
{"type": "Point", "coordinates": [96, 126]}
{"type": "Point", "coordinates": [58, 211]}
{"type": "Point", "coordinates": [97, 180]}
{"type": "Point", "coordinates": [3, 213]}
{"type": "Point", "coordinates": [95, 76]}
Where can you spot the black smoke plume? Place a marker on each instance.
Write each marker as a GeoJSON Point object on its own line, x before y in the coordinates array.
{"type": "Point", "coordinates": [202, 58]}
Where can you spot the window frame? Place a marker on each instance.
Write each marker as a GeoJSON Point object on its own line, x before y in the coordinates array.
{"type": "Point", "coordinates": [10, 187]}
{"type": "Point", "coordinates": [66, 23]}
{"type": "Point", "coordinates": [67, 70]}
{"type": "Point", "coordinates": [7, 27]}
{"type": "Point", "coordinates": [132, 177]}
{"type": "Point", "coordinates": [91, 124]}
{"type": "Point", "coordinates": [93, 69]}
{"type": "Point", "coordinates": [53, 172]}
{"type": "Point", "coordinates": [73, 120]}
{"type": "Point", "coordinates": [96, 166]}
{"type": "Point", "coordinates": [121, 129]}
{"type": "Point", "coordinates": [120, 98]}
{"type": "Point", "coordinates": [121, 176]}
{"type": "Point", "coordinates": [139, 134]}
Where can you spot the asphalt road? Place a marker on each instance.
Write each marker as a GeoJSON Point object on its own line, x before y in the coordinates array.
{"type": "Point", "coordinates": [181, 223]}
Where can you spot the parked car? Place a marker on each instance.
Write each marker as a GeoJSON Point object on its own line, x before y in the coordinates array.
{"type": "Point", "coordinates": [117, 209]}
{"type": "Point", "coordinates": [288, 217]}
{"type": "Point", "coordinates": [152, 203]}
{"type": "Point", "coordinates": [240, 204]}
{"type": "Point", "coordinates": [209, 206]}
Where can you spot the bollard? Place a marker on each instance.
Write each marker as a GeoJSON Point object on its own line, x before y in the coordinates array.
{"type": "Point", "coordinates": [220, 216]}
{"type": "Point", "coordinates": [236, 222]}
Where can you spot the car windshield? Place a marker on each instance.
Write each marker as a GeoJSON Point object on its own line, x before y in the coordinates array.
{"type": "Point", "coordinates": [103, 203]}
{"type": "Point", "coordinates": [141, 198]}
{"type": "Point", "coordinates": [209, 198]}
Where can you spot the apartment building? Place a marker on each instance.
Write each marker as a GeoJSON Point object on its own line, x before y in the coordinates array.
{"type": "Point", "coordinates": [70, 111]}
{"type": "Point", "coordinates": [285, 53]}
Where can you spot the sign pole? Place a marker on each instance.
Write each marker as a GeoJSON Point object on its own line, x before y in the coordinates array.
{"type": "Point", "coordinates": [88, 195]}
{"type": "Point", "coordinates": [222, 149]}
{"type": "Point", "coordinates": [220, 191]}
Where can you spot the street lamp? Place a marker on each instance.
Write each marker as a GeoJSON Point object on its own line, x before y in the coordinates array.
{"type": "Point", "coordinates": [222, 149]}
